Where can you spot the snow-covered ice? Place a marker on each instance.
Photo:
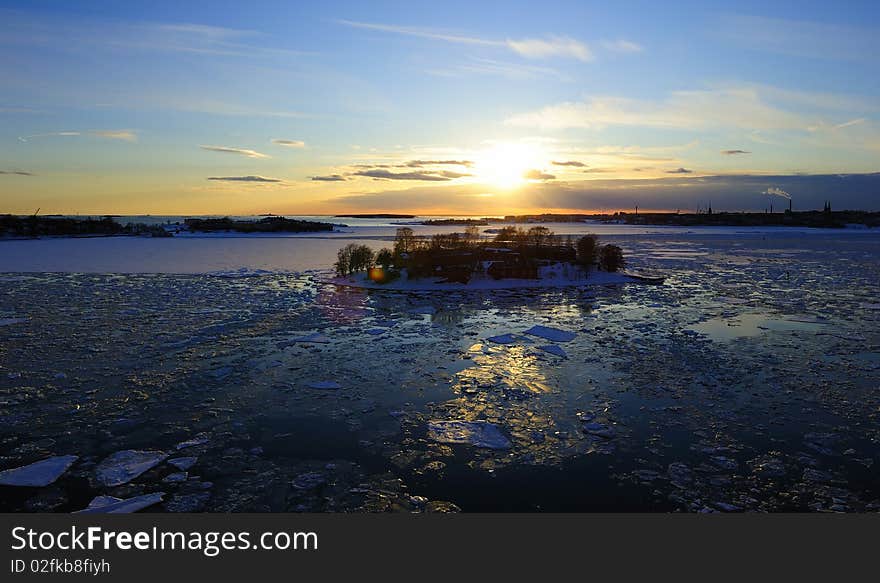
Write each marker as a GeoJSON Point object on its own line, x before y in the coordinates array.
{"type": "Point", "coordinates": [124, 466]}
{"type": "Point", "coordinates": [476, 433]}
{"type": "Point", "coordinates": [114, 505]}
{"type": "Point", "coordinates": [41, 473]}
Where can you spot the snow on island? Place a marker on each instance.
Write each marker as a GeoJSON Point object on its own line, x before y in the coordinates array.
{"type": "Point", "coordinates": [552, 276]}
{"type": "Point", "coordinates": [512, 259]}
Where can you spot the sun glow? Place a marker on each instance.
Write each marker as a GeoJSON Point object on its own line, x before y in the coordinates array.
{"type": "Point", "coordinates": [505, 165]}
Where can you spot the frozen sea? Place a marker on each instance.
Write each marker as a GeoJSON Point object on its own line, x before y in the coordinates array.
{"type": "Point", "coordinates": [749, 381]}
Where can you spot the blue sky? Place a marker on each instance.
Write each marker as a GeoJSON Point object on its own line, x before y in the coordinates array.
{"type": "Point", "coordinates": [467, 107]}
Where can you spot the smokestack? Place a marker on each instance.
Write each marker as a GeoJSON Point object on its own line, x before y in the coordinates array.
{"type": "Point", "coordinates": [789, 205]}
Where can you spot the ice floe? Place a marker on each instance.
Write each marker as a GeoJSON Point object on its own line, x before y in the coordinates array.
{"type": "Point", "coordinates": [552, 334]}
{"type": "Point", "coordinates": [554, 349]}
{"type": "Point", "coordinates": [183, 463]}
{"type": "Point", "coordinates": [200, 439]}
{"type": "Point", "coordinates": [114, 505]}
{"type": "Point", "coordinates": [124, 466]}
{"type": "Point", "coordinates": [41, 473]}
{"type": "Point", "coordinates": [477, 433]}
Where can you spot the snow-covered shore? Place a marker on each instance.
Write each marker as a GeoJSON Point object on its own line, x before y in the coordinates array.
{"type": "Point", "coordinates": [552, 277]}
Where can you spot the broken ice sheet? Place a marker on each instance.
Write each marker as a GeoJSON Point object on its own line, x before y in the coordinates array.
{"type": "Point", "coordinates": [199, 439]}
{"type": "Point", "coordinates": [553, 349]}
{"type": "Point", "coordinates": [503, 339]}
{"type": "Point", "coordinates": [183, 463]}
{"type": "Point", "coordinates": [41, 473]}
{"type": "Point", "coordinates": [124, 466]}
{"type": "Point", "coordinates": [552, 334]}
{"type": "Point", "coordinates": [113, 505]}
{"type": "Point", "coordinates": [477, 433]}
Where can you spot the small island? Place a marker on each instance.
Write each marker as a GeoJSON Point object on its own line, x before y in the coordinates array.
{"type": "Point", "coordinates": [34, 226]}
{"type": "Point", "coordinates": [513, 258]}
{"type": "Point", "coordinates": [269, 224]}
{"type": "Point", "coordinates": [375, 216]}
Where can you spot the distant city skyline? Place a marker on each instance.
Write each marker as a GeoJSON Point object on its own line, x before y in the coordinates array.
{"type": "Point", "coordinates": [456, 108]}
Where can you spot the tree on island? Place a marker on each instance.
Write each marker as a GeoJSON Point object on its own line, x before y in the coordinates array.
{"type": "Point", "coordinates": [353, 258]}
{"type": "Point", "coordinates": [472, 234]}
{"type": "Point", "coordinates": [385, 258]}
{"type": "Point", "coordinates": [611, 258]}
{"type": "Point", "coordinates": [404, 241]}
{"type": "Point", "coordinates": [587, 247]}
{"type": "Point", "coordinates": [539, 236]}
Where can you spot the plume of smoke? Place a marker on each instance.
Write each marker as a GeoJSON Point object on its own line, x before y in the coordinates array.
{"type": "Point", "coordinates": [777, 192]}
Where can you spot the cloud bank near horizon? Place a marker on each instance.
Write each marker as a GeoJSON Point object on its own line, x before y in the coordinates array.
{"type": "Point", "coordinates": [733, 192]}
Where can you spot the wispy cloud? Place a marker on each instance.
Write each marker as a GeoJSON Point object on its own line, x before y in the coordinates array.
{"type": "Point", "coordinates": [621, 46]}
{"type": "Point", "coordinates": [435, 176]}
{"type": "Point", "coordinates": [734, 152]}
{"type": "Point", "coordinates": [557, 46]}
{"type": "Point", "coordinates": [48, 135]}
{"type": "Point", "coordinates": [535, 174]}
{"type": "Point", "coordinates": [800, 38]}
{"type": "Point", "coordinates": [102, 35]}
{"type": "Point", "coordinates": [532, 48]}
{"type": "Point", "coordinates": [421, 163]}
{"type": "Point", "coordinates": [16, 172]}
{"type": "Point", "coordinates": [850, 123]}
{"type": "Point", "coordinates": [330, 178]}
{"type": "Point", "coordinates": [125, 135]}
{"type": "Point", "coordinates": [741, 107]}
{"type": "Point", "coordinates": [508, 70]}
{"type": "Point", "coordinates": [289, 143]}
{"type": "Point", "coordinates": [244, 179]}
{"type": "Point", "coordinates": [680, 171]}
{"type": "Point", "coordinates": [568, 163]}
{"type": "Point", "coordinates": [238, 151]}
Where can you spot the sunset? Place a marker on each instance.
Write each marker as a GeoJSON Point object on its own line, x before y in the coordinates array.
{"type": "Point", "coordinates": [271, 271]}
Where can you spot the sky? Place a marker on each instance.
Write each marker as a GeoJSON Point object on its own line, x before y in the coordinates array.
{"type": "Point", "coordinates": [472, 108]}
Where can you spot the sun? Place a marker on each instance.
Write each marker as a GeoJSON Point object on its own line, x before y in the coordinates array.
{"type": "Point", "coordinates": [505, 165]}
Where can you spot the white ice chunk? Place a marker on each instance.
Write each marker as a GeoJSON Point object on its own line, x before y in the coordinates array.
{"type": "Point", "coordinates": [477, 433]}
{"type": "Point", "coordinates": [124, 466]}
{"type": "Point", "coordinates": [199, 439]}
{"type": "Point", "coordinates": [552, 334]}
{"type": "Point", "coordinates": [41, 473]}
{"type": "Point", "coordinates": [553, 349]}
{"type": "Point", "coordinates": [113, 505]}
{"type": "Point", "coordinates": [324, 385]}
